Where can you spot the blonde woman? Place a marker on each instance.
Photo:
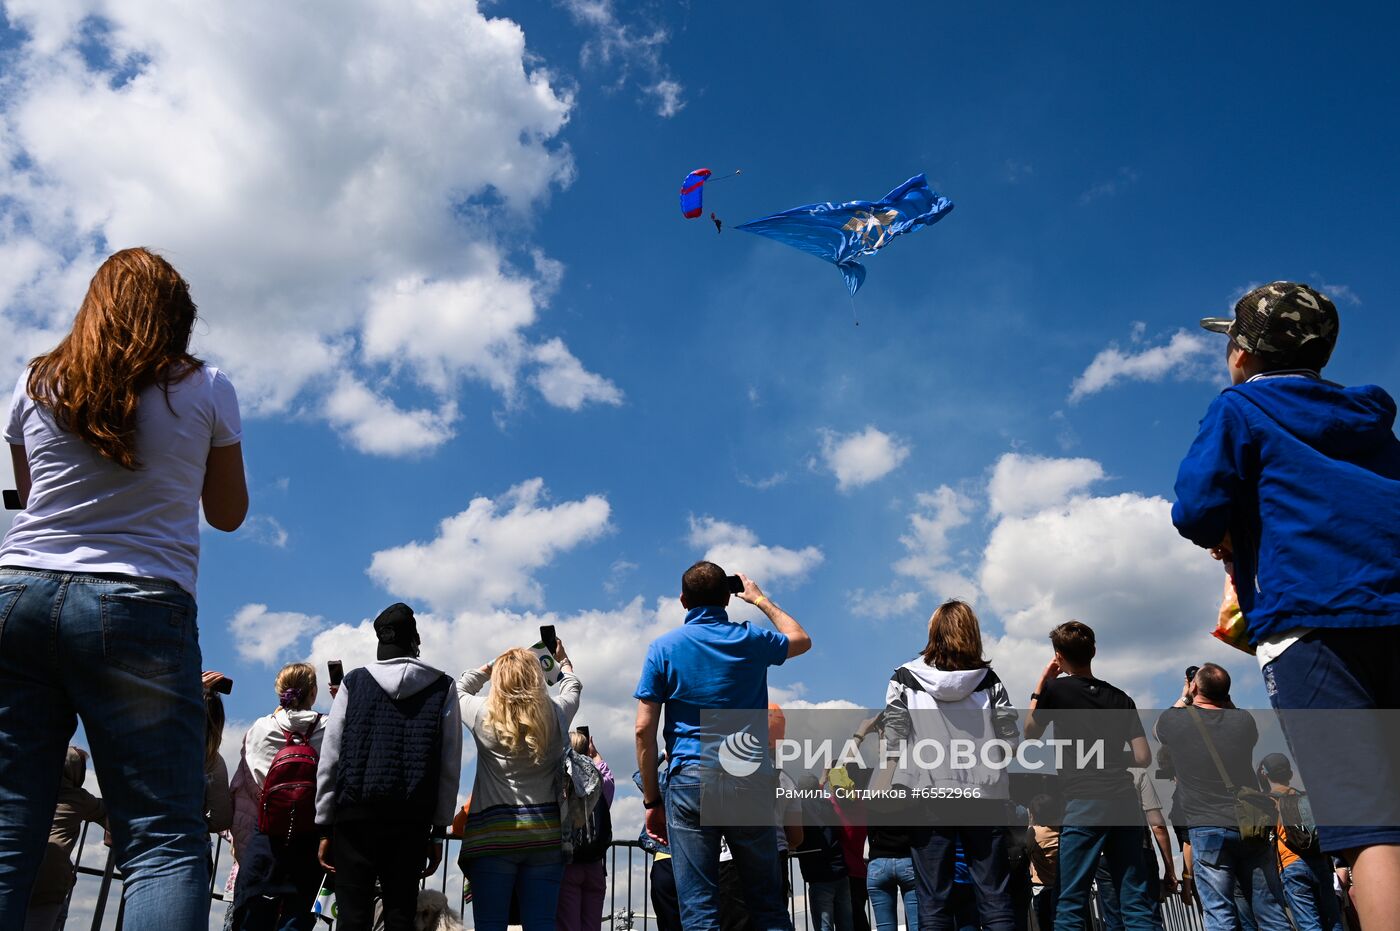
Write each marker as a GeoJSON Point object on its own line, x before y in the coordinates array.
{"type": "Point", "coordinates": [293, 719]}
{"type": "Point", "coordinates": [117, 436]}
{"type": "Point", "coordinates": [511, 842]}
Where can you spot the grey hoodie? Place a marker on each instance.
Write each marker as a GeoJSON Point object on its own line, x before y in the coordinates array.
{"type": "Point", "coordinates": [924, 703]}
{"type": "Point", "coordinates": [400, 678]}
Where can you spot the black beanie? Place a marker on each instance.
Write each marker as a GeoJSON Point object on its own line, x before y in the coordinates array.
{"type": "Point", "coordinates": [397, 632]}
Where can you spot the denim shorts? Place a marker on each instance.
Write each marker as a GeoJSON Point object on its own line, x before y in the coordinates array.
{"type": "Point", "coordinates": [1348, 764]}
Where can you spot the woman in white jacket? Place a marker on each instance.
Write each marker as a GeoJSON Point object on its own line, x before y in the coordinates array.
{"type": "Point", "coordinates": [296, 693]}
{"type": "Point", "coordinates": [939, 706]}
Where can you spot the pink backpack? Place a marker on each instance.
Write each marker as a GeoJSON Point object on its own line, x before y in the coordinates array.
{"type": "Point", "coordinates": [287, 805]}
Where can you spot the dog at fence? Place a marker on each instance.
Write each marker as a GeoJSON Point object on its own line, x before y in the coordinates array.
{"type": "Point", "coordinates": [434, 913]}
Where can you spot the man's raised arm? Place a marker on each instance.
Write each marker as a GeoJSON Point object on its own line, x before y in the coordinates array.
{"type": "Point", "coordinates": [799, 641]}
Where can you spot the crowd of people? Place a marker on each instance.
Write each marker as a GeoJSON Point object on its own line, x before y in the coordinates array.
{"type": "Point", "coordinates": [120, 438]}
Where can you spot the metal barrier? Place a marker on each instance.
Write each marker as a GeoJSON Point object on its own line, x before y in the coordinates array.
{"type": "Point", "coordinates": [629, 891]}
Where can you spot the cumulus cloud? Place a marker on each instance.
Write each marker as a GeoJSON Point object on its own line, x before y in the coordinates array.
{"type": "Point", "coordinates": [564, 382]}
{"type": "Point", "coordinates": [858, 459]}
{"type": "Point", "coordinates": [1022, 485]}
{"type": "Point", "coordinates": [1056, 552]}
{"type": "Point", "coordinates": [1117, 564]}
{"type": "Point", "coordinates": [1185, 355]}
{"type": "Point", "coordinates": [737, 549]}
{"type": "Point", "coordinates": [342, 267]}
{"type": "Point", "coordinates": [929, 561]}
{"type": "Point", "coordinates": [486, 556]}
{"type": "Point", "coordinates": [265, 529]}
{"type": "Point", "coordinates": [263, 636]}
{"type": "Point", "coordinates": [607, 647]}
{"type": "Point", "coordinates": [632, 50]}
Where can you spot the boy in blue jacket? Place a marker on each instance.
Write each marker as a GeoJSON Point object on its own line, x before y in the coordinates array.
{"type": "Point", "coordinates": [1294, 482]}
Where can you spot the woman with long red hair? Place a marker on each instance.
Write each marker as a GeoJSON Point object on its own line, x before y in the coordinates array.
{"type": "Point", "coordinates": [116, 435]}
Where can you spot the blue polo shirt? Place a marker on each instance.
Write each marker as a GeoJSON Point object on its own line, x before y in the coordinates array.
{"type": "Point", "coordinates": [708, 663]}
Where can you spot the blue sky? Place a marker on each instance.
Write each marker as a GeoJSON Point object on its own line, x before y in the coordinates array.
{"type": "Point", "coordinates": [358, 198]}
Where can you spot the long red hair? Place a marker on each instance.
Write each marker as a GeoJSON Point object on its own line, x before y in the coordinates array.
{"type": "Point", "coordinates": [132, 331]}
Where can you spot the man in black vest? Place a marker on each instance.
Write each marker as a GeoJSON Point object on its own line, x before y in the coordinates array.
{"type": "Point", "coordinates": [386, 785]}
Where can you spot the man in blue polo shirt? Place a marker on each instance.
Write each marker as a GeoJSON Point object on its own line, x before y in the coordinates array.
{"type": "Point", "coordinates": [711, 664]}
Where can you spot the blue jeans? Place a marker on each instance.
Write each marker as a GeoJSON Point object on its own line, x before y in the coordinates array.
{"type": "Point", "coordinates": [830, 904]}
{"type": "Point", "coordinates": [886, 881]}
{"type": "Point", "coordinates": [122, 654]}
{"type": "Point", "coordinates": [1307, 885]}
{"type": "Point", "coordinates": [535, 875]}
{"type": "Point", "coordinates": [1108, 894]}
{"type": "Point", "coordinates": [984, 849]}
{"type": "Point", "coordinates": [695, 856]}
{"type": "Point", "coordinates": [1083, 839]}
{"type": "Point", "coordinates": [1222, 859]}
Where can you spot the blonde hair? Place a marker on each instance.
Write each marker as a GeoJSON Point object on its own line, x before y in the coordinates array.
{"type": "Point", "coordinates": [579, 742]}
{"type": "Point", "coordinates": [132, 331]}
{"type": "Point", "coordinates": [296, 687]}
{"type": "Point", "coordinates": [518, 709]}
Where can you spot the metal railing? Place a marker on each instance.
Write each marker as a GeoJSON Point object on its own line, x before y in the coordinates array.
{"type": "Point", "coordinates": [629, 891]}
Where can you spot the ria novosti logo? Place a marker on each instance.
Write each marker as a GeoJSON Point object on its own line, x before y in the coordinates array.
{"type": "Point", "coordinates": [741, 754]}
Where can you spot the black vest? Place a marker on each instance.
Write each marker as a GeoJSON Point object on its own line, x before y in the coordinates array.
{"type": "Point", "coordinates": [390, 751]}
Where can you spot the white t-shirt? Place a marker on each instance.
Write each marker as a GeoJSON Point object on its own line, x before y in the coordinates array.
{"type": "Point", "coordinates": [88, 514]}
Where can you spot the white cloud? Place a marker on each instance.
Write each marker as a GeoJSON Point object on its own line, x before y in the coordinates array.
{"type": "Point", "coordinates": [627, 47]}
{"type": "Point", "coordinates": [375, 424]}
{"type": "Point", "coordinates": [736, 549]}
{"type": "Point", "coordinates": [1186, 355]}
{"type": "Point", "coordinates": [858, 459]}
{"type": "Point", "coordinates": [1056, 553]}
{"type": "Point", "coordinates": [564, 382]}
{"type": "Point", "coordinates": [607, 648]}
{"type": "Point", "coordinates": [486, 556]}
{"type": "Point", "coordinates": [1124, 178]}
{"type": "Point", "coordinates": [929, 554]}
{"type": "Point", "coordinates": [1117, 564]}
{"type": "Point", "coordinates": [263, 636]}
{"type": "Point", "coordinates": [1021, 485]}
{"type": "Point", "coordinates": [265, 529]}
{"type": "Point", "coordinates": [276, 156]}
{"type": "Point", "coordinates": [884, 604]}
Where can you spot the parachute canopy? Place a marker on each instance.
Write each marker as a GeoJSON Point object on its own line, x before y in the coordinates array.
{"type": "Point", "coordinates": [692, 193]}
{"type": "Point", "coordinates": [841, 233]}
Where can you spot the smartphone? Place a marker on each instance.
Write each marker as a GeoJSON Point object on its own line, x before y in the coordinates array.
{"type": "Point", "coordinates": [336, 670]}
{"type": "Point", "coordinates": [583, 729]}
{"type": "Point", "coordinates": [224, 685]}
{"type": "Point", "coordinates": [736, 584]}
{"type": "Point", "coordinates": [12, 500]}
{"type": "Point", "coordinates": [548, 638]}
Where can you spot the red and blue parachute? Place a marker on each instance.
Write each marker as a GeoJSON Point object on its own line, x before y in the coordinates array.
{"type": "Point", "coordinates": [693, 193]}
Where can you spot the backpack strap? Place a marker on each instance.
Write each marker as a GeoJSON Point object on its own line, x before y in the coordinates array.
{"type": "Point", "coordinates": [1210, 745]}
{"type": "Point", "coordinates": [294, 738]}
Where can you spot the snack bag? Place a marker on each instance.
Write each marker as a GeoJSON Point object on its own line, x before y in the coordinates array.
{"type": "Point", "coordinates": [1231, 627]}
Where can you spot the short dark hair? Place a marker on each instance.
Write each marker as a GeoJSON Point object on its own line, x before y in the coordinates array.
{"type": "Point", "coordinates": [1213, 683]}
{"type": "Point", "coordinates": [704, 584]}
{"type": "Point", "coordinates": [1074, 640]}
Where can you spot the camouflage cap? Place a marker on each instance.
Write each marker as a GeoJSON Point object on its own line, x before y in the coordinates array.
{"type": "Point", "coordinates": [1282, 322]}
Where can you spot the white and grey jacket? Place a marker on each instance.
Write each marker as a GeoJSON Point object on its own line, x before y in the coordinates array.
{"type": "Point", "coordinates": [927, 708]}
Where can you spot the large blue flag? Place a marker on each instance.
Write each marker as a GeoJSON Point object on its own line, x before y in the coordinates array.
{"type": "Point", "coordinates": [842, 233]}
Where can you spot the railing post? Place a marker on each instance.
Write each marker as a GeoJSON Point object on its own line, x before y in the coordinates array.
{"type": "Point", "coordinates": [101, 907]}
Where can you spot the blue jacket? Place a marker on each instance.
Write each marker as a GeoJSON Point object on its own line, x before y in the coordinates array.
{"type": "Point", "coordinates": [1305, 476]}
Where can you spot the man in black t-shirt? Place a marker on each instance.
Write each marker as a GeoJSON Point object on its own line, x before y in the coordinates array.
{"type": "Point", "coordinates": [1204, 802]}
{"type": "Point", "coordinates": [1102, 813]}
